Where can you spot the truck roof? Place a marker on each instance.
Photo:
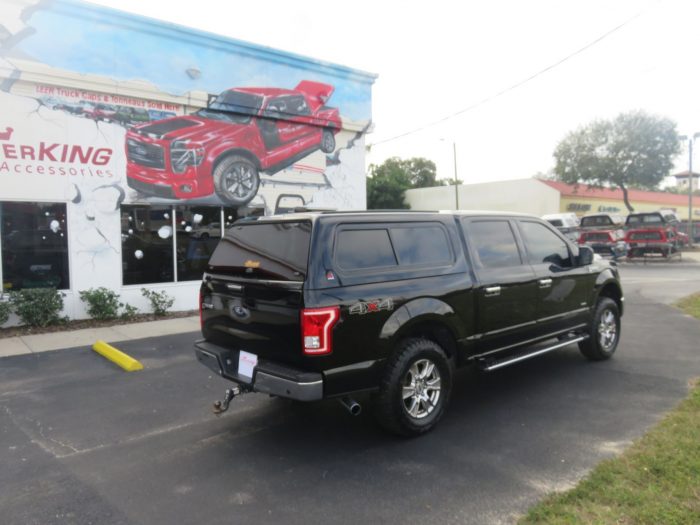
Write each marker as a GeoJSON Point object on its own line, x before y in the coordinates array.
{"type": "Point", "coordinates": [403, 214]}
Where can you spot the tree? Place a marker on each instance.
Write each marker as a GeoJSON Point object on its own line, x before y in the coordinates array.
{"type": "Point", "coordinates": [388, 181]}
{"type": "Point", "coordinates": [635, 149]}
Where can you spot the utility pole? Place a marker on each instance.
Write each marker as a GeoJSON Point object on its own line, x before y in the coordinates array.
{"type": "Point", "coordinates": [691, 140]}
{"type": "Point", "coordinates": [454, 153]}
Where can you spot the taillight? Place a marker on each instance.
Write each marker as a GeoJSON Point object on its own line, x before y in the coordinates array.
{"type": "Point", "coordinates": [316, 327]}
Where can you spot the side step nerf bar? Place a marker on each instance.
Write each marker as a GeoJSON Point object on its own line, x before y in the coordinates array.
{"type": "Point", "coordinates": [489, 366]}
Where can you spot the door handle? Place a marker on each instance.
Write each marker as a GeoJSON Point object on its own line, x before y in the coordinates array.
{"type": "Point", "coordinates": [492, 291]}
{"type": "Point", "coordinates": [545, 283]}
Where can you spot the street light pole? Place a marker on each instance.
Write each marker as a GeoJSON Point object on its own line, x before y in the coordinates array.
{"type": "Point", "coordinates": [691, 140]}
{"type": "Point", "coordinates": [454, 154]}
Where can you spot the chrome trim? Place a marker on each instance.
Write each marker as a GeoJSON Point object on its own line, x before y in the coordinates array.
{"type": "Point", "coordinates": [292, 285]}
{"type": "Point", "coordinates": [235, 287]}
{"type": "Point", "coordinates": [511, 327]}
{"type": "Point", "coordinates": [492, 291]}
{"type": "Point", "coordinates": [545, 283]}
{"type": "Point", "coordinates": [533, 354]}
{"type": "Point", "coordinates": [528, 341]}
{"type": "Point", "coordinates": [565, 314]}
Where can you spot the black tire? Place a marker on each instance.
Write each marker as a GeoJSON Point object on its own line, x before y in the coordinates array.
{"type": "Point", "coordinates": [236, 180]}
{"type": "Point", "coordinates": [604, 331]}
{"type": "Point", "coordinates": [327, 141]}
{"type": "Point", "coordinates": [408, 373]}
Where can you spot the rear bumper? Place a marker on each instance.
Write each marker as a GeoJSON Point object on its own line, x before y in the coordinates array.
{"type": "Point", "coordinates": [268, 377]}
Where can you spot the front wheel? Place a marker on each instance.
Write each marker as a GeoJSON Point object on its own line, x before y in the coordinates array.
{"type": "Point", "coordinates": [604, 332]}
{"type": "Point", "coordinates": [236, 180]}
{"type": "Point", "coordinates": [327, 141]}
{"type": "Point", "coordinates": [416, 388]}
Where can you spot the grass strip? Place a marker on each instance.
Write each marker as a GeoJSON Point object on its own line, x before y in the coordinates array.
{"type": "Point", "coordinates": [656, 481]}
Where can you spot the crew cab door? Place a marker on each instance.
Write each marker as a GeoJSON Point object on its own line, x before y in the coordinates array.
{"type": "Point", "coordinates": [563, 288]}
{"type": "Point", "coordinates": [507, 290]}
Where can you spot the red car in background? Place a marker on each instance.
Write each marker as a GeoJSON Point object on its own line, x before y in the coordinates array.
{"type": "Point", "coordinates": [603, 232]}
{"type": "Point", "coordinates": [223, 148]}
{"type": "Point", "coordinates": [653, 233]}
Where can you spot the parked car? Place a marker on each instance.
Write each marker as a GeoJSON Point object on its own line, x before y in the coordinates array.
{"type": "Point", "coordinates": [51, 102]}
{"type": "Point", "coordinates": [128, 116]}
{"type": "Point", "coordinates": [311, 306]}
{"type": "Point", "coordinates": [653, 233]}
{"type": "Point", "coordinates": [605, 242]}
{"type": "Point", "coordinates": [157, 114]}
{"type": "Point", "coordinates": [106, 112]}
{"type": "Point", "coordinates": [656, 241]}
{"type": "Point", "coordinates": [223, 148]}
{"type": "Point", "coordinates": [76, 108]}
{"type": "Point", "coordinates": [566, 223]}
{"type": "Point", "coordinates": [599, 221]}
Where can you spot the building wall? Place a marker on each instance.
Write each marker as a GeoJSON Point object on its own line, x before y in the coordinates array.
{"type": "Point", "coordinates": [521, 195]}
{"type": "Point", "coordinates": [582, 205]}
{"type": "Point", "coordinates": [77, 82]}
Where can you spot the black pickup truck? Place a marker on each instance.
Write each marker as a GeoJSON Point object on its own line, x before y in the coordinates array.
{"type": "Point", "coordinates": [311, 306]}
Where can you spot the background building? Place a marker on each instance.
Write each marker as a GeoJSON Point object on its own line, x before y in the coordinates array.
{"type": "Point", "coordinates": [128, 145]}
{"type": "Point", "coordinates": [540, 197]}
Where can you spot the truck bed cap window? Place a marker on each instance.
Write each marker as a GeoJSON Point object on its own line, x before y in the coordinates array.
{"type": "Point", "coordinates": [277, 250]}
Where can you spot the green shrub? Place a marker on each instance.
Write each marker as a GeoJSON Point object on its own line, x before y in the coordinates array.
{"type": "Point", "coordinates": [160, 301]}
{"type": "Point", "coordinates": [102, 303]}
{"type": "Point", "coordinates": [5, 311]}
{"type": "Point", "coordinates": [130, 312]}
{"type": "Point", "coordinates": [38, 306]}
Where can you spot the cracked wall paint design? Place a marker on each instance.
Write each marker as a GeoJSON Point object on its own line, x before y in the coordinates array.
{"type": "Point", "coordinates": [63, 130]}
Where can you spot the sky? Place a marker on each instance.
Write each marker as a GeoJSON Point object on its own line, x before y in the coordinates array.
{"type": "Point", "coordinates": [596, 58]}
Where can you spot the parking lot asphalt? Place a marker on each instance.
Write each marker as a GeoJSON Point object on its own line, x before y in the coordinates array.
{"type": "Point", "coordinates": [83, 442]}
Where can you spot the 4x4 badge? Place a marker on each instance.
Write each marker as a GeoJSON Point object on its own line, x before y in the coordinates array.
{"type": "Point", "coordinates": [369, 307]}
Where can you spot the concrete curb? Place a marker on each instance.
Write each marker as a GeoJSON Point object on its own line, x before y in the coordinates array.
{"type": "Point", "coordinates": [28, 344]}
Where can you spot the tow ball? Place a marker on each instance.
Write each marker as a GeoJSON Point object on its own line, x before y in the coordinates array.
{"type": "Point", "coordinates": [222, 406]}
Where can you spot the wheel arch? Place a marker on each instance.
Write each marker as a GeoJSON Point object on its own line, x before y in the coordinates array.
{"type": "Point", "coordinates": [612, 290]}
{"type": "Point", "coordinates": [423, 318]}
{"type": "Point", "coordinates": [235, 151]}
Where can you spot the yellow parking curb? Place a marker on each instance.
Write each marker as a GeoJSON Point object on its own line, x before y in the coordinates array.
{"type": "Point", "coordinates": [127, 362]}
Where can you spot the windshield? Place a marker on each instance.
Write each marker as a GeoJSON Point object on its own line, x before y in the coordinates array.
{"type": "Point", "coordinates": [234, 118]}
{"type": "Point", "coordinates": [277, 251]}
{"type": "Point", "coordinates": [596, 220]}
{"type": "Point", "coordinates": [233, 106]}
{"type": "Point", "coordinates": [651, 218]}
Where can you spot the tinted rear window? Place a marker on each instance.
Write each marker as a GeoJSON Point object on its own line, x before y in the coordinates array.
{"type": "Point", "coordinates": [266, 250]}
{"type": "Point", "coordinates": [596, 220]}
{"type": "Point", "coordinates": [362, 249]}
{"type": "Point", "coordinates": [652, 218]}
{"type": "Point", "coordinates": [421, 245]}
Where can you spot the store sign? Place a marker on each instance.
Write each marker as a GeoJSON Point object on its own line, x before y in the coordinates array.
{"type": "Point", "coordinates": [608, 209]}
{"type": "Point", "coordinates": [52, 158]}
{"type": "Point", "coordinates": [576, 206]}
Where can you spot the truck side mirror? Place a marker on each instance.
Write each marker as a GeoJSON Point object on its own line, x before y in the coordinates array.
{"type": "Point", "coordinates": [585, 255]}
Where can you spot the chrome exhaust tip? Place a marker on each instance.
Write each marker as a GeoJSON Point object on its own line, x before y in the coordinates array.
{"type": "Point", "coordinates": [351, 406]}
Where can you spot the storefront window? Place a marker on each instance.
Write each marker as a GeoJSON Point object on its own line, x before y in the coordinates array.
{"type": "Point", "coordinates": [34, 245]}
{"type": "Point", "coordinates": [147, 244]}
{"type": "Point", "coordinates": [198, 230]}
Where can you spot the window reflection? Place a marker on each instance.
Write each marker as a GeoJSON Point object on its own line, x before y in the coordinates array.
{"type": "Point", "coordinates": [147, 244]}
{"type": "Point", "coordinates": [34, 245]}
{"type": "Point", "coordinates": [198, 230]}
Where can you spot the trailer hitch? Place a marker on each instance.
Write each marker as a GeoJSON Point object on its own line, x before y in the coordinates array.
{"type": "Point", "coordinates": [222, 406]}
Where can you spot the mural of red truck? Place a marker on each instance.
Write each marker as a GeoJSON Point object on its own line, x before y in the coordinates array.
{"type": "Point", "coordinates": [222, 149]}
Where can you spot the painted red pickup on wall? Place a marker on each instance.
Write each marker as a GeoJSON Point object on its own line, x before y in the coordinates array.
{"type": "Point", "coordinates": [222, 149]}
